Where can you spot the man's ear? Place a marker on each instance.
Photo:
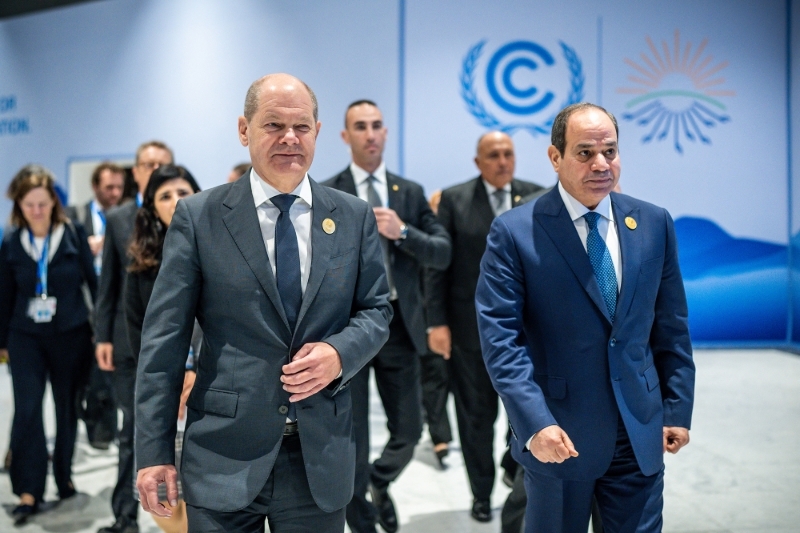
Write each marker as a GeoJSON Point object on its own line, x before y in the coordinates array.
{"type": "Point", "coordinates": [242, 125]}
{"type": "Point", "coordinates": [554, 156]}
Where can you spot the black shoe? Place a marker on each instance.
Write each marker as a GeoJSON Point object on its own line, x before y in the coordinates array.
{"type": "Point", "coordinates": [120, 526]}
{"type": "Point", "coordinates": [481, 510]}
{"type": "Point", "coordinates": [22, 513]}
{"type": "Point", "coordinates": [440, 455]}
{"type": "Point", "coordinates": [387, 517]}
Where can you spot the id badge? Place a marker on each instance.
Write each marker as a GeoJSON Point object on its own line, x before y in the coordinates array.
{"type": "Point", "coordinates": [42, 309]}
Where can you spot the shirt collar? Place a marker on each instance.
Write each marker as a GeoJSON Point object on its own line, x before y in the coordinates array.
{"type": "Point", "coordinates": [360, 175]}
{"type": "Point", "coordinates": [491, 188]}
{"type": "Point", "coordinates": [577, 210]}
{"type": "Point", "coordinates": [263, 191]}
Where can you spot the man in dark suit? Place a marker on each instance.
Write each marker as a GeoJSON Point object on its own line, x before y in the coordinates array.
{"type": "Point", "coordinates": [100, 413]}
{"type": "Point", "coordinates": [112, 350]}
{"type": "Point", "coordinates": [411, 240]}
{"type": "Point", "coordinates": [287, 282]}
{"type": "Point", "coordinates": [466, 211]}
{"type": "Point", "coordinates": [583, 322]}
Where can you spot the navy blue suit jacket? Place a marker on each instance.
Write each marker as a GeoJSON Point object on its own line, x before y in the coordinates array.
{"type": "Point", "coordinates": [552, 352]}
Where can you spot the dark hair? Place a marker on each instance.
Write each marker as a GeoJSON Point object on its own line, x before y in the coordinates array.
{"type": "Point", "coordinates": [363, 101]}
{"type": "Point", "coordinates": [558, 136]}
{"type": "Point", "coordinates": [106, 165]}
{"type": "Point", "coordinates": [26, 179]}
{"type": "Point", "coordinates": [147, 241]}
{"type": "Point", "coordinates": [254, 92]}
{"type": "Point", "coordinates": [154, 144]}
{"type": "Point", "coordinates": [241, 168]}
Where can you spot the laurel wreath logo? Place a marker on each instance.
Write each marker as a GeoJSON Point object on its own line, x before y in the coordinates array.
{"type": "Point", "coordinates": [488, 120]}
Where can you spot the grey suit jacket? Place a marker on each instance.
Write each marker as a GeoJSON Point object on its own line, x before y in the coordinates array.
{"type": "Point", "coordinates": [216, 267]}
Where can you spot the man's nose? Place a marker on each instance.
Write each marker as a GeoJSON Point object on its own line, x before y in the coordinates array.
{"type": "Point", "coordinates": [290, 137]}
{"type": "Point", "coordinates": [599, 163]}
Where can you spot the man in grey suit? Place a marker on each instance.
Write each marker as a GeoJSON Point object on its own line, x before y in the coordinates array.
{"type": "Point", "coordinates": [286, 278]}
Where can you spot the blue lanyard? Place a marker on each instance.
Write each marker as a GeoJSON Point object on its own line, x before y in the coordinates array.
{"type": "Point", "coordinates": [102, 216]}
{"type": "Point", "coordinates": [41, 284]}
{"type": "Point", "coordinates": [139, 199]}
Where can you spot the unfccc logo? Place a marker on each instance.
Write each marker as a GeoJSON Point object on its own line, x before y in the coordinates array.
{"type": "Point", "coordinates": [522, 79]}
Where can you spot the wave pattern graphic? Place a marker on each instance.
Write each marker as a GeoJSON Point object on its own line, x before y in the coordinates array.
{"type": "Point", "coordinates": [737, 289]}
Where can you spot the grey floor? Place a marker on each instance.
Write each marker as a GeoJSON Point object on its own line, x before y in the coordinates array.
{"type": "Point", "coordinates": [741, 472]}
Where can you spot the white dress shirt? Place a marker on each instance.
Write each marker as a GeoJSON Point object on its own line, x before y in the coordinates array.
{"type": "Point", "coordinates": [381, 185]}
{"type": "Point", "coordinates": [605, 226]}
{"type": "Point", "coordinates": [300, 214]}
{"type": "Point", "coordinates": [490, 189]}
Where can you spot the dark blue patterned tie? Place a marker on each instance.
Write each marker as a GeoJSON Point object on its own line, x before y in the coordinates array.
{"type": "Point", "coordinates": [287, 268]}
{"type": "Point", "coordinates": [602, 265]}
{"type": "Point", "coordinates": [287, 259]}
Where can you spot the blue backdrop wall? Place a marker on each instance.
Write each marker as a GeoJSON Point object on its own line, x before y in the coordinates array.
{"type": "Point", "coordinates": [703, 92]}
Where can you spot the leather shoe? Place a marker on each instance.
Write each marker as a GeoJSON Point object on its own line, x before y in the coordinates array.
{"type": "Point", "coordinates": [387, 517]}
{"type": "Point", "coordinates": [481, 510]}
{"type": "Point", "coordinates": [120, 526]}
{"type": "Point", "coordinates": [22, 512]}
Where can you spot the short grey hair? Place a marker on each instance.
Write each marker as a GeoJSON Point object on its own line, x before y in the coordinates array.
{"type": "Point", "coordinates": [254, 93]}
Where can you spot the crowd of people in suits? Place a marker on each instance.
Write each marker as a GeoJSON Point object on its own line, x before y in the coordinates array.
{"type": "Point", "coordinates": [172, 328]}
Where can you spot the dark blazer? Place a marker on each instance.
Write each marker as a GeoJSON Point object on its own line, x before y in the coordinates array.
{"type": "Point", "coordinates": [216, 268]}
{"type": "Point", "coordinates": [69, 269]}
{"type": "Point", "coordinates": [552, 352]}
{"type": "Point", "coordinates": [83, 215]}
{"type": "Point", "coordinates": [427, 246]}
{"type": "Point", "coordinates": [109, 309]}
{"type": "Point", "coordinates": [467, 215]}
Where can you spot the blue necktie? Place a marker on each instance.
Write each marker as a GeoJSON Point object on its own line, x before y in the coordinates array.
{"type": "Point", "coordinates": [602, 265]}
{"type": "Point", "coordinates": [287, 268]}
{"type": "Point", "coordinates": [287, 259]}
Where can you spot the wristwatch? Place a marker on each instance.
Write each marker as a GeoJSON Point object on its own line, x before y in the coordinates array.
{"type": "Point", "coordinates": [403, 232]}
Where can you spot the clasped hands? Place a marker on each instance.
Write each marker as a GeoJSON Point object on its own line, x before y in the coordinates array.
{"type": "Point", "coordinates": [313, 368]}
{"type": "Point", "coordinates": [553, 445]}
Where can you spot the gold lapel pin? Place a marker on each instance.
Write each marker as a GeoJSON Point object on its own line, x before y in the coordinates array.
{"type": "Point", "coordinates": [395, 187]}
{"type": "Point", "coordinates": [517, 198]}
{"type": "Point", "coordinates": [630, 222]}
{"type": "Point", "coordinates": [328, 226]}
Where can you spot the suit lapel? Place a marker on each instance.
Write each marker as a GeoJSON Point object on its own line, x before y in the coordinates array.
{"type": "Point", "coordinates": [553, 217]}
{"type": "Point", "coordinates": [346, 182]}
{"type": "Point", "coordinates": [88, 223]}
{"type": "Point", "coordinates": [242, 223]}
{"type": "Point", "coordinates": [321, 243]}
{"type": "Point", "coordinates": [481, 208]}
{"type": "Point", "coordinates": [630, 244]}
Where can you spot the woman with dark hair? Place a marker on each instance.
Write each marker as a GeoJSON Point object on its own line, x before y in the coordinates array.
{"type": "Point", "coordinates": [45, 264]}
{"type": "Point", "coordinates": [167, 185]}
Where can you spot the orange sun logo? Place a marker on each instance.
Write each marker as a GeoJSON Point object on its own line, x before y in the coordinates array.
{"type": "Point", "coordinates": [676, 92]}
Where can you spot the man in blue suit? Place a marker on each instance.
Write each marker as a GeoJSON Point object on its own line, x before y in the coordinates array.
{"type": "Point", "coordinates": [584, 329]}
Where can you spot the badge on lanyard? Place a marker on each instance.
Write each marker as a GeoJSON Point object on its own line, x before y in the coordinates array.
{"type": "Point", "coordinates": [42, 308]}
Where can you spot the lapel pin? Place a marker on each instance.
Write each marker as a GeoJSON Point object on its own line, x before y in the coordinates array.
{"type": "Point", "coordinates": [517, 198]}
{"type": "Point", "coordinates": [395, 187]}
{"type": "Point", "coordinates": [630, 222]}
{"type": "Point", "coordinates": [328, 226]}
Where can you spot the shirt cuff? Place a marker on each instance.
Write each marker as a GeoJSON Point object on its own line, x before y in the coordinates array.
{"type": "Point", "coordinates": [528, 444]}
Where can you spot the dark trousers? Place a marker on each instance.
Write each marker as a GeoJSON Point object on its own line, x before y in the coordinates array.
{"type": "Point", "coordinates": [64, 359]}
{"type": "Point", "coordinates": [476, 411]}
{"type": "Point", "coordinates": [628, 501]}
{"type": "Point", "coordinates": [285, 502]}
{"type": "Point", "coordinates": [397, 376]}
{"type": "Point", "coordinates": [123, 501]}
{"type": "Point", "coordinates": [435, 389]}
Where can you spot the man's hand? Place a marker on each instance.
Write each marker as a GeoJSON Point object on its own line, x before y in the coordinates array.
{"type": "Point", "coordinates": [552, 445]}
{"type": "Point", "coordinates": [96, 244]}
{"type": "Point", "coordinates": [439, 341]}
{"type": "Point", "coordinates": [388, 222]}
{"type": "Point", "coordinates": [675, 438]}
{"type": "Point", "coordinates": [104, 353]}
{"type": "Point", "coordinates": [147, 482]}
{"type": "Point", "coordinates": [188, 383]}
{"type": "Point", "coordinates": [313, 367]}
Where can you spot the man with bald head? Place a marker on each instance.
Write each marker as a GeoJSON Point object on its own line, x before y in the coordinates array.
{"type": "Point", "coordinates": [286, 279]}
{"type": "Point", "coordinates": [467, 211]}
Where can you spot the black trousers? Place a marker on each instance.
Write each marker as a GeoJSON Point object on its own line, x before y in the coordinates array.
{"type": "Point", "coordinates": [285, 502]}
{"type": "Point", "coordinates": [476, 412]}
{"type": "Point", "coordinates": [435, 389]}
{"type": "Point", "coordinates": [64, 359]}
{"type": "Point", "coordinates": [396, 370]}
{"type": "Point", "coordinates": [123, 501]}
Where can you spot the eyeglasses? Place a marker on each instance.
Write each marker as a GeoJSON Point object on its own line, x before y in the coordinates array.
{"type": "Point", "coordinates": [150, 165]}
